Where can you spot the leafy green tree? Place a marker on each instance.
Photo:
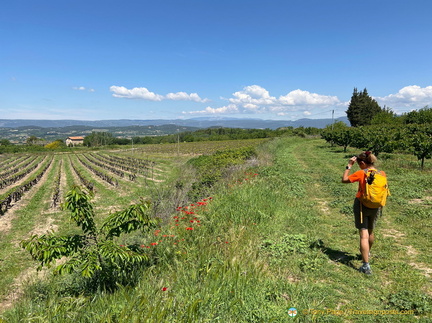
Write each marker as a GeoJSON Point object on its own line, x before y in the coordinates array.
{"type": "Point", "coordinates": [378, 138]}
{"type": "Point", "coordinates": [5, 142]}
{"type": "Point", "coordinates": [32, 140]}
{"type": "Point", "coordinates": [385, 117]}
{"type": "Point", "coordinates": [93, 254]}
{"type": "Point", "coordinates": [338, 133]}
{"type": "Point", "coordinates": [420, 141]}
{"type": "Point", "coordinates": [96, 139]}
{"type": "Point", "coordinates": [362, 108]}
{"type": "Point", "coordinates": [122, 141]}
{"type": "Point", "coordinates": [418, 117]}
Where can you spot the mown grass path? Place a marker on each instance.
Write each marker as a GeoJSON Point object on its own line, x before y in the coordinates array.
{"type": "Point", "coordinates": [400, 258]}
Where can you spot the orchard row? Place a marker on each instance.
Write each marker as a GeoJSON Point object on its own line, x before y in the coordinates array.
{"type": "Point", "coordinates": [19, 173]}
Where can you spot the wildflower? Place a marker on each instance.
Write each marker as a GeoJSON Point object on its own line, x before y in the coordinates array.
{"type": "Point", "coordinates": [154, 243]}
{"type": "Point", "coordinates": [164, 289]}
{"type": "Point", "coordinates": [122, 245]}
{"type": "Point", "coordinates": [142, 246]}
{"type": "Point", "coordinates": [189, 228]}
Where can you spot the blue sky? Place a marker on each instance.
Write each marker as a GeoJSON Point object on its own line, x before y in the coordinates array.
{"type": "Point", "coordinates": [99, 60]}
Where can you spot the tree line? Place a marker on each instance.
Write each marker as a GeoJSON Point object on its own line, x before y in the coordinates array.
{"type": "Point", "coordinates": [381, 130]}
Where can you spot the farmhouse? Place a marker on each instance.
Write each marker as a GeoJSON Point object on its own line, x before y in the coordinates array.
{"type": "Point", "coordinates": [74, 141]}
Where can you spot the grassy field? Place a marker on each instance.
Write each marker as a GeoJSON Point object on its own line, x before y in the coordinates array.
{"type": "Point", "coordinates": [277, 234]}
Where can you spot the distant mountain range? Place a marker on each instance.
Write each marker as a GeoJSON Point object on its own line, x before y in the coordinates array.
{"type": "Point", "coordinates": [195, 122]}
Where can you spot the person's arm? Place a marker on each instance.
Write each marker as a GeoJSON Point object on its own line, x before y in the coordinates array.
{"type": "Point", "coordinates": [345, 175]}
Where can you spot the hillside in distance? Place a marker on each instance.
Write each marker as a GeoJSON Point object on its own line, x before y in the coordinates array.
{"type": "Point", "coordinates": [194, 122]}
{"type": "Point", "coordinates": [21, 133]}
{"type": "Point", "coordinates": [18, 130]}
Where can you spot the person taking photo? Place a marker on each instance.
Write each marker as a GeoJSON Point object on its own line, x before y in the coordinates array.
{"type": "Point", "coordinates": [364, 217]}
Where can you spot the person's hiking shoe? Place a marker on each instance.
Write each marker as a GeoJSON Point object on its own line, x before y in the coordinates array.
{"type": "Point", "coordinates": [365, 270]}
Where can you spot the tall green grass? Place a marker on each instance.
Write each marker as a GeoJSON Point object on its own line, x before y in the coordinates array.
{"type": "Point", "coordinates": [274, 235]}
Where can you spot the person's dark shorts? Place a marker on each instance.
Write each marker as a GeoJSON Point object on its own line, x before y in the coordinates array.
{"type": "Point", "coordinates": [369, 216]}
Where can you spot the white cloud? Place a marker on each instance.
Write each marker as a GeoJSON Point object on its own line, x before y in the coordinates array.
{"type": "Point", "coordinates": [231, 108]}
{"type": "Point", "coordinates": [82, 88]}
{"type": "Point", "coordinates": [183, 96]}
{"type": "Point", "coordinates": [144, 94]}
{"type": "Point", "coordinates": [257, 100]}
{"type": "Point", "coordinates": [412, 96]}
{"type": "Point", "coordinates": [299, 97]}
{"type": "Point", "coordinates": [135, 93]}
{"type": "Point", "coordinates": [252, 95]}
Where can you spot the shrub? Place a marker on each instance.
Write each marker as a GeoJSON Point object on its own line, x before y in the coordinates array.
{"type": "Point", "coordinates": [93, 254]}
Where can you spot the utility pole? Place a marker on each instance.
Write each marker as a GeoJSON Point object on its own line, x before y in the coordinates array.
{"type": "Point", "coordinates": [332, 119]}
{"type": "Point", "coordinates": [178, 143]}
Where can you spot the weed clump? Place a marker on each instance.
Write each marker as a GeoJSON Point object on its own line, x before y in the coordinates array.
{"type": "Point", "coordinates": [410, 300]}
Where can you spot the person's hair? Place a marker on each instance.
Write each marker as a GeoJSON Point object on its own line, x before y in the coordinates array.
{"type": "Point", "coordinates": [367, 157]}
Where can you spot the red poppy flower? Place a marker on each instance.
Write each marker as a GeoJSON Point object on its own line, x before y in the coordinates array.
{"type": "Point", "coordinates": [189, 228]}
{"type": "Point", "coordinates": [154, 243]}
{"type": "Point", "coordinates": [164, 289]}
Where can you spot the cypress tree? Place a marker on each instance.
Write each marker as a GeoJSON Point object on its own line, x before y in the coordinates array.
{"type": "Point", "coordinates": [362, 108]}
